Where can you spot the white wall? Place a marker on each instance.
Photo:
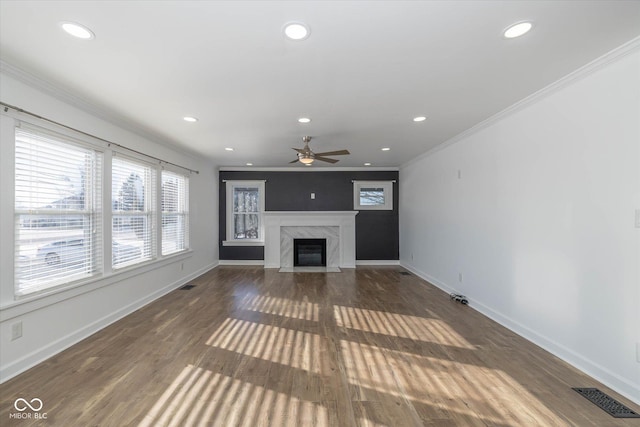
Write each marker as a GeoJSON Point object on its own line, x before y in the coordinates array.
{"type": "Point", "coordinates": [541, 221]}
{"type": "Point", "coordinates": [54, 322]}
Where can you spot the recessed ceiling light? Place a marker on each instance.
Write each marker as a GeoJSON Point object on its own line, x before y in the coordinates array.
{"type": "Point", "coordinates": [304, 120]}
{"type": "Point", "coordinates": [77, 30]}
{"type": "Point", "coordinates": [249, 164]}
{"type": "Point", "coordinates": [190, 119]}
{"type": "Point", "coordinates": [229, 149]}
{"type": "Point", "coordinates": [419, 119]}
{"type": "Point", "coordinates": [517, 30]}
{"type": "Point", "coordinates": [367, 164]}
{"type": "Point", "coordinates": [296, 31]}
{"type": "Point", "coordinates": [386, 149]}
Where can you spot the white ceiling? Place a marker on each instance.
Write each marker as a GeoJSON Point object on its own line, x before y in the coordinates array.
{"type": "Point", "coordinates": [365, 71]}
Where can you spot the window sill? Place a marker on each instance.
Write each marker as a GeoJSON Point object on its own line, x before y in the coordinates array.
{"type": "Point", "coordinates": [373, 208]}
{"type": "Point", "coordinates": [242, 243]}
{"type": "Point", "coordinates": [34, 301]}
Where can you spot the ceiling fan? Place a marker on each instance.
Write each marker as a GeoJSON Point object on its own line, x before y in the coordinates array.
{"type": "Point", "coordinates": [306, 156]}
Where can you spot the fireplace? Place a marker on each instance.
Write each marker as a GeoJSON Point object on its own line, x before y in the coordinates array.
{"type": "Point", "coordinates": [337, 227]}
{"type": "Point", "coordinates": [309, 252]}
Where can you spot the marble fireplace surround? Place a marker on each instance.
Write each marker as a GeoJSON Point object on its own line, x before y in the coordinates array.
{"type": "Point", "coordinates": [338, 227]}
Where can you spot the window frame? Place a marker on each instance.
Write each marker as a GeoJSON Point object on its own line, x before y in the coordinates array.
{"type": "Point", "coordinates": [150, 212]}
{"type": "Point", "coordinates": [230, 186]}
{"type": "Point", "coordinates": [387, 189]}
{"type": "Point", "coordinates": [92, 260]}
{"type": "Point", "coordinates": [182, 213]}
{"type": "Point", "coordinates": [102, 274]}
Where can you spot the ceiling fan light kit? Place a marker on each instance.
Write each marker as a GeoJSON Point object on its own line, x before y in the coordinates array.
{"type": "Point", "coordinates": [305, 159]}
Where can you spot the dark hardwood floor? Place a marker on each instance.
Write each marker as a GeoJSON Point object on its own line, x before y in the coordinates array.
{"type": "Point", "coordinates": [253, 347]}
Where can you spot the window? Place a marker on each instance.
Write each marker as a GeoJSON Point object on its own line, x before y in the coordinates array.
{"type": "Point", "coordinates": [59, 203]}
{"type": "Point", "coordinates": [58, 229]}
{"type": "Point", "coordinates": [245, 204]}
{"type": "Point", "coordinates": [175, 216]}
{"type": "Point", "coordinates": [376, 195]}
{"type": "Point", "coordinates": [133, 201]}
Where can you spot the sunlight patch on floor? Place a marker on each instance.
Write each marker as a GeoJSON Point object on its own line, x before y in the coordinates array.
{"type": "Point", "coordinates": [282, 307]}
{"type": "Point", "coordinates": [288, 347]}
{"type": "Point", "coordinates": [399, 325]}
{"type": "Point", "coordinates": [365, 422]}
{"type": "Point", "coordinates": [199, 397]}
{"type": "Point", "coordinates": [442, 389]}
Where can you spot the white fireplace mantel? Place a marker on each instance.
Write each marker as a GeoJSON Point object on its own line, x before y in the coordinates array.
{"type": "Point", "coordinates": [345, 221]}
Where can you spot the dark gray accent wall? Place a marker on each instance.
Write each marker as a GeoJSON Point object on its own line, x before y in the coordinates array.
{"type": "Point", "coordinates": [376, 231]}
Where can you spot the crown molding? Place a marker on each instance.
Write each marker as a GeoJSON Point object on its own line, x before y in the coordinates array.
{"type": "Point", "coordinates": [64, 95]}
{"type": "Point", "coordinates": [618, 53]}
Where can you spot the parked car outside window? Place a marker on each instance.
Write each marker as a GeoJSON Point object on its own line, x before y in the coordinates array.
{"type": "Point", "coordinates": [74, 251]}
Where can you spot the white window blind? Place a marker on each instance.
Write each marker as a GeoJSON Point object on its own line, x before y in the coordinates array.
{"type": "Point", "coordinates": [58, 230]}
{"type": "Point", "coordinates": [175, 212]}
{"type": "Point", "coordinates": [133, 202]}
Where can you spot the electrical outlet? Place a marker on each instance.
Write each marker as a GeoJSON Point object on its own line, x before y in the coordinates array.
{"type": "Point", "coordinates": [181, 266]}
{"type": "Point", "coordinates": [460, 277]}
{"type": "Point", "coordinates": [411, 256]}
{"type": "Point", "coordinates": [637, 218]}
{"type": "Point", "coordinates": [459, 174]}
{"type": "Point", "coordinates": [16, 331]}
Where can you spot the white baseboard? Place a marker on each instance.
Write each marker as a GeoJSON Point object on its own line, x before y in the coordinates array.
{"type": "Point", "coordinates": [598, 372]}
{"type": "Point", "coordinates": [610, 379]}
{"type": "Point", "coordinates": [261, 262]}
{"type": "Point", "coordinates": [51, 349]}
{"type": "Point", "coordinates": [241, 262]}
{"type": "Point", "coordinates": [438, 284]}
{"type": "Point", "coordinates": [377, 262]}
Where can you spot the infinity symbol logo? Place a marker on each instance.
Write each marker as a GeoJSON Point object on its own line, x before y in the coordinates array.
{"type": "Point", "coordinates": [21, 404]}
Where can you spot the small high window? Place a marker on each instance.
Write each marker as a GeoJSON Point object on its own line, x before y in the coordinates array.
{"type": "Point", "coordinates": [373, 195]}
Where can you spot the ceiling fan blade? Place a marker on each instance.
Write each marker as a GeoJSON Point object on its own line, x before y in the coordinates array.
{"type": "Point", "coordinates": [300, 150]}
{"type": "Point", "coordinates": [334, 153]}
{"type": "Point", "coordinates": [293, 161]}
{"type": "Point", "coordinates": [326, 159]}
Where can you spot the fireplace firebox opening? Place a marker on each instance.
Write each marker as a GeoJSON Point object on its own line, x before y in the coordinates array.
{"type": "Point", "coordinates": [309, 252]}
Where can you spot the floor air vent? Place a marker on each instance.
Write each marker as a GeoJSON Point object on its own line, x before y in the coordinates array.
{"type": "Point", "coordinates": [405, 273]}
{"type": "Point", "coordinates": [187, 287]}
{"type": "Point", "coordinates": [607, 403]}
